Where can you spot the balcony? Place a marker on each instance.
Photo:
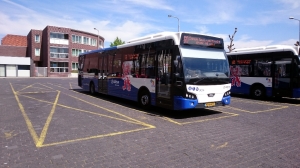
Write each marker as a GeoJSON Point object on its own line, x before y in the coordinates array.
{"type": "Point", "coordinates": [59, 41]}
{"type": "Point", "coordinates": [59, 55]}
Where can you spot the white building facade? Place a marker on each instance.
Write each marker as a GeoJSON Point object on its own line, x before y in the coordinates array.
{"type": "Point", "coordinates": [14, 66]}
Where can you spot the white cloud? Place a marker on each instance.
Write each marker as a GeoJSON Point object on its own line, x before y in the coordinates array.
{"type": "Point", "coordinates": [291, 3]}
{"type": "Point", "coordinates": [213, 12]}
{"type": "Point", "coordinates": [20, 24]}
{"type": "Point", "coordinates": [154, 4]}
{"type": "Point", "coordinates": [251, 43]}
{"type": "Point", "coordinates": [18, 5]}
{"type": "Point", "coordinates": [288, 42]}
{"type": "Point", "coordinates": [246, 42]}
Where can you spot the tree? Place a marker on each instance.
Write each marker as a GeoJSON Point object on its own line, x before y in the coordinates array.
{"type": "Point", "coordinates": [231, 40]}
{"type": "Point", "coordinates": [117, 42]}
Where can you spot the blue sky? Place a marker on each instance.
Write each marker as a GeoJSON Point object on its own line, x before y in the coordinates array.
{"type": "Point", "coordinates": [258, 22]}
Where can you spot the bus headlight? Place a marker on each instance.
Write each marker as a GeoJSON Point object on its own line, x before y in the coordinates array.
{"type": "Point", "coordinates": [190, 96]}
{"type": "Point", "coordinates": [226, 93]}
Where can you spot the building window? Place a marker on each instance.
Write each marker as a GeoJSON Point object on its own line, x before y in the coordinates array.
{"type": "Point", "coordinates": [86, 40]}
{"type": "Point", "coordinates": [76, 52]}
{"type": "Point", "coordinates": [37, 52]}
{"type": "Point", "coordinates": [37, 38]}
{"type": "Point", "coordinates": [59, 36]}
{"type": "Point", "coordinates": [76, 39]}
{"type": "Point", "coordinates": [59, 66]}
{"type": "Point", "coordinates": [56, 52]}
{"type": "Point", "coordinates": [75, 66]}
{"type": "Point", "coordinates": [100, 44]}
{"type": "Point", "coordinates": [94, 42]}
{"type": "Point", "coordinates": [23, 67]}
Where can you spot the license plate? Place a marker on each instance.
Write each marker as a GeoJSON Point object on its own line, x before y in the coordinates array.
{"type": "Point", "coordinates": [210, 104]}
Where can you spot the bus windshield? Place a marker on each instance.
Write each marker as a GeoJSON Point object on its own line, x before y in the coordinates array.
{"type": "Point", "coordinates": [205, 67]}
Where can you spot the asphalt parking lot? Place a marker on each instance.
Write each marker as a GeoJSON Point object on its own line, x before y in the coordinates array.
{"type": "Point", "coordinates": [50, 122]}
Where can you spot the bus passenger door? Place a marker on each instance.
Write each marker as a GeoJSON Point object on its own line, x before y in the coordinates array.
{"type": "Point", "coordinates": [282, 73]}
{"type": "Point", "coordinates": [103, 73]}
{"type": "Point", "coordinates": [163, 82]}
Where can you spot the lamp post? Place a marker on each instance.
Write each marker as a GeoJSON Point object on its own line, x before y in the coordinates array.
{"type": "Point", "coordinates": [97, 38]}
{"type": "Point", "coordinates": [176, 18]}
{"type": "Point", "coordinates": [299, 27]}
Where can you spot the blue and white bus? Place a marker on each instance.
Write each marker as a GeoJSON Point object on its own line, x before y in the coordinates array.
{"type": "Point", "coordinates": [172, 70]}
{"type": "Point", "coordinates": [270, 71]}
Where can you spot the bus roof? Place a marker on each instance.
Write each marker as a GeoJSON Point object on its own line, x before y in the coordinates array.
{"type": "Point", "coordinates": [148, 39]}
{"type": "Point", "coordinates": [160, 36]}
{"type": "Point", "coordinates": [265, 49]}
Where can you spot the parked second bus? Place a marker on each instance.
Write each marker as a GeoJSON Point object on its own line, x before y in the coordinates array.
{"type": "Point", "coordinates": [172, 70]}
{"type": "Point", "coordinates": [272, 71]}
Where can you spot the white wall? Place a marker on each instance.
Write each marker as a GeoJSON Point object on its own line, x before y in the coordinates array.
{"type": "Point", "coordinates": [23, 73]}
{"type": "Point", "coordinates": [14, 60]}
{"type": "Point", "coordinates": [73, 75]}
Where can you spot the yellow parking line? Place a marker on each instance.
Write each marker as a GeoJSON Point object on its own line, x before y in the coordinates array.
{"type": "Point", "coordinates": [165, 118]}
{"type": "Point", "coordinates": [93, 137]}
{"type": "Point", "coordinates": [104, 100]}
{"type": "Point", "coordinates": [103, 115]}
{"type": "Point", "coordinates": [142, 123]}
{"type": "Point", "coordinates": [46, 126]}
{"type": "Point", "coordinates": [35, 92]}
{"type": "Point", "coordinates": [197, 121]}
{"type": "Point", "coordinates": [40, 140]}
{"type": "Point", "coordinates": [27, 120]}
{"type": "Point", "coordinates": [47, 86]}
{"type": "Point", "coordinates": [25, 87]}
{"type": "Point", "coordinates": [172, 121]}
{"type": "Point", "coordinates": [37, 87]}
{"type": "Point", "coordinates": [44, 132]}
{"type": "Point", "coordinates": [59, 86]}
{"type": "Point", "coordinates": [261, 111]}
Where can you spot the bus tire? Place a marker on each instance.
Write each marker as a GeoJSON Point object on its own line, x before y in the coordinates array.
{"type": "Point", "coordinates": [92, 88]}
{"type": "Point", "coordinates": [144, 99]}
{"type": "Point", "coordinates": [258, 92]}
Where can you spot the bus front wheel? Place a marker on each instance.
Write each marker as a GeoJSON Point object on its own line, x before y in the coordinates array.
{"type": "Point", "coordinates": [144, 99]}
{"type": "Point", "coordinates": [258, 92]}
{"type": "Point", "coordinates": [92, 88]}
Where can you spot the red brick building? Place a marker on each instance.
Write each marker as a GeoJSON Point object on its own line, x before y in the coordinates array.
{"type": "Point", "coordinates": [56, 48]}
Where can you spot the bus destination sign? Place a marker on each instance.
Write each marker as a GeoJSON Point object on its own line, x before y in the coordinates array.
{"type": "Point", "coordinates": [198, 40]}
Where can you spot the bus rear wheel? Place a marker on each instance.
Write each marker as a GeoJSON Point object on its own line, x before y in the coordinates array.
{"type": "Point", "coordinates": [258, 92]}
{"type": "Point", "coordinates": [144, 99]}
{"type": "Point", "coordinates": [92, 88]}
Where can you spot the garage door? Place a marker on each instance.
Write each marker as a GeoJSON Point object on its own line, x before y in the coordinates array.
{"type": "Point", "coordinates": [2, 70]}
{"type": "Point", "coordinates": [11, 70]}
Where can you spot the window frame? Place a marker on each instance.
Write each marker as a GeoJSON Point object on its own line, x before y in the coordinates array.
{"type": "Point", "coordinates": [39, 52]}
{"type": "Point", "coordinates": [37, 40]}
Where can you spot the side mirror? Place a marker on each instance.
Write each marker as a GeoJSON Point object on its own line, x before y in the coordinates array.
{"type": "Point", "coordinates": [176, 63]}
{"type": "Point", "coordinates": [176, 75]}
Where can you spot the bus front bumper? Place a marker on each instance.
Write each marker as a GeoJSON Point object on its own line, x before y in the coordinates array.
{"type": "Point", "coordinates": [181, 103]}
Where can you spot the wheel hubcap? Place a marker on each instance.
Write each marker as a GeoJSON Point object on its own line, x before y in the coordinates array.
{"type": "Point", "coordinates": [144, 99]}
{"type": "Point", "coordinates": [257, 93]}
